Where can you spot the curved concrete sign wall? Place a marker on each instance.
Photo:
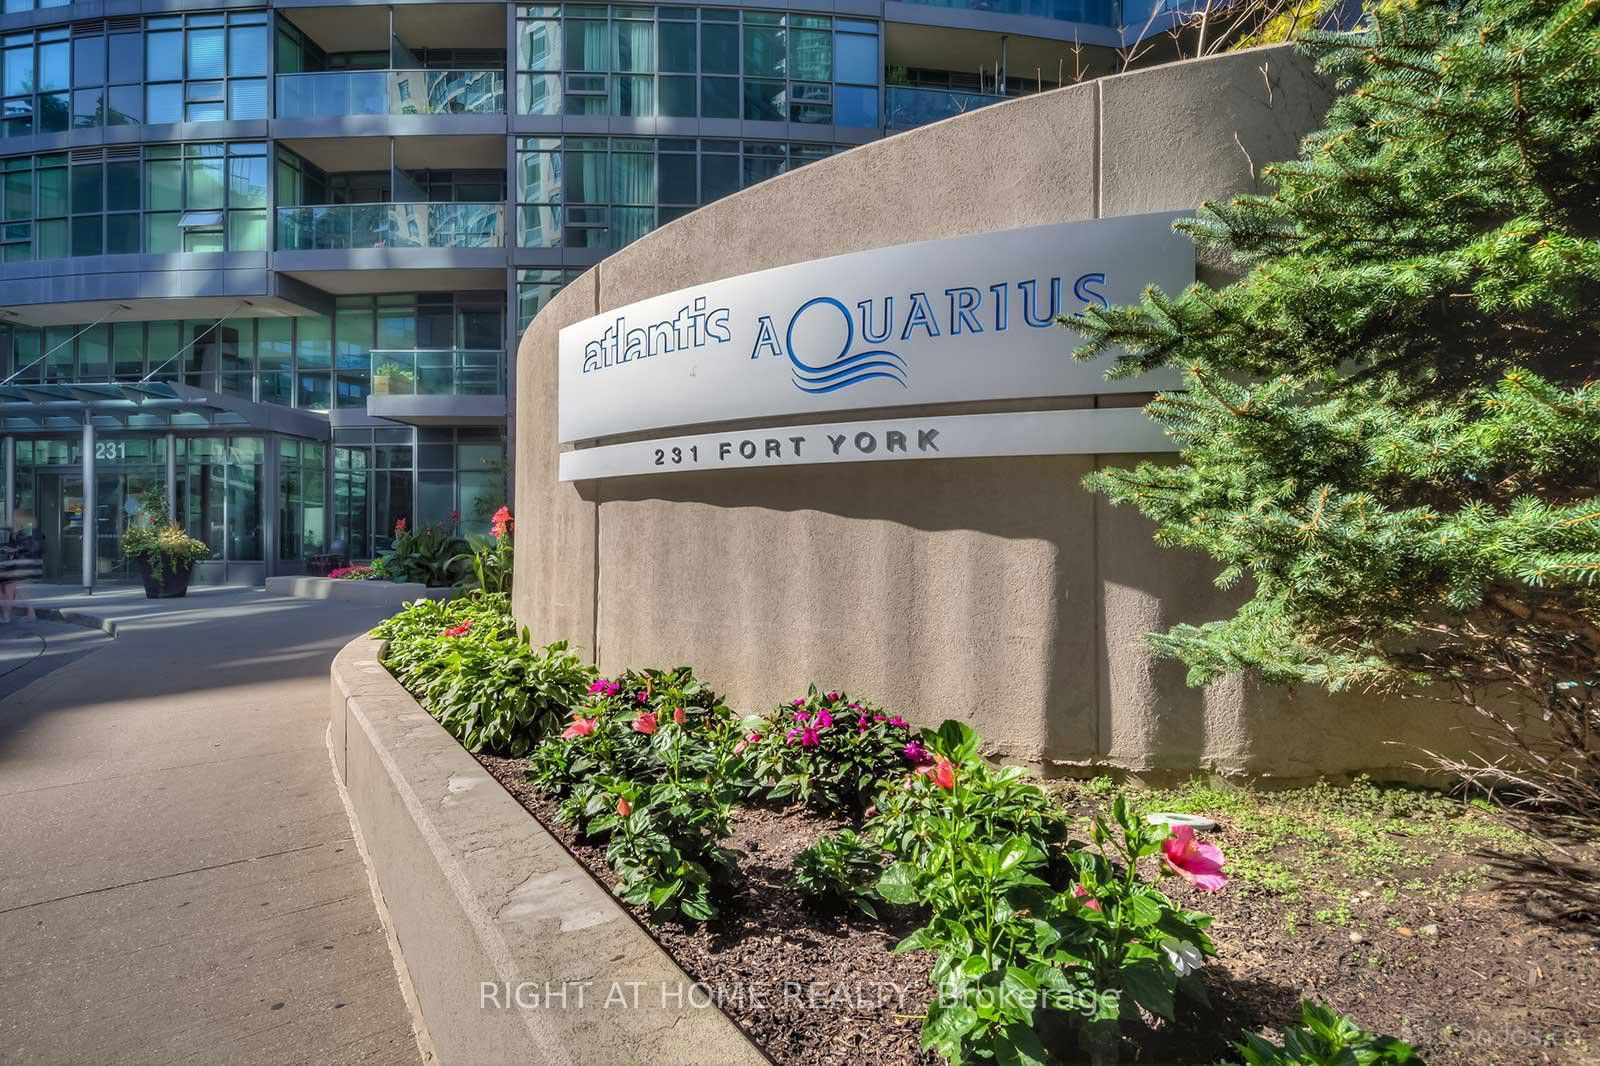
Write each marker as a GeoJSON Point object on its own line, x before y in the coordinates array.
{"type": "Point", "coordinates": [702, 422]}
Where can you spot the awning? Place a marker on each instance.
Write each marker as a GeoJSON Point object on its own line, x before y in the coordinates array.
{"type": "Point", "coordinates": [152, 405]}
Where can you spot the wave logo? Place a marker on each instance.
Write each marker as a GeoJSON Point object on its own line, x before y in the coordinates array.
{"type": "Point", "coordinates": [844, 369]}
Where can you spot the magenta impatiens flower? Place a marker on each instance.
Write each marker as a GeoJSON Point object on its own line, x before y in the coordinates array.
{"type": "Point", "coordinates": [1197, 863]}
{"type": "Point", "coordinates": [641, 697]}
{"type": "Point", "coordinates": [753, 738]}
{"type": "Point", "coordinates": [898, 721]}
{"type": "Point", "coordinates": [916, 754]}
{"type": "Point", "coordinates": [809, 738]}
{"type": "Point", "coordinates": [833, 697]}
{"type": "Point", "coordinates": [799, 703]}
{"type": "Point", "coordinates": [603, 687]}
{"type": "Point", "coordinates": [824, 720]}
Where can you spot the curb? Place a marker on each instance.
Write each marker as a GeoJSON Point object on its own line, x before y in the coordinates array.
{"type": "Point", "coordinates": [77, 618]}
{"type": "Point", "coordinates": [512, 947]}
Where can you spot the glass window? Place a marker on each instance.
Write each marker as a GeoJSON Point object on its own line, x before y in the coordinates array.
{"type": "Point", "coordinates": [122, 185]}
{"type": "Point", "coordinates": [678, 50]}
{"type": "Point", "coordinates": [677, 181]}
{"type": "Point", "coordinates": [677, 97]}
{"type": "Point", "coordinates": [89, 61]}
{"type": "Point", "coordinates": [205, 184]}
{"type": "Point", "coordinates": [763, 52]}
{"type": "Point", "coordinates": [856, 58]}
{"type": "Point", "coordinates": [54, 66]}
{"type": "Point", "coordinates": [88, 188]}
{"type": "Point", "coordinates": [207, 49]}
{"type": "Point", "coordinates": [247, 181]}
{"type": "Point", "coordinates": [764, 101]}
{"type": "Point", "coordinates": [247, 51]}
{"type": "Point", "coordinates": [163, 54]}
{"type": "Point", "coordinates": [163, 103]}
{"type": "Point", "coordinates": [636, 47]}
{"type": "Point", "coordinates": [719, 97]}
{"type": "Point", "coordinates": [855, 106]}
{"type": "Point", "coordinates": [811, 55]}
{"type": "Point", "coordinates": [126, 53]}
{"type": "Point", "coordinates": [720, 49]}
{"type": "Point", "coordinates": [719, 176]}
{"type": "Point", "coordinates": [587, 47]}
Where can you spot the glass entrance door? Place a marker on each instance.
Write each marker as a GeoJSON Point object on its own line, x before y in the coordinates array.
{"type": "Point", "coordinates": [117, 497]}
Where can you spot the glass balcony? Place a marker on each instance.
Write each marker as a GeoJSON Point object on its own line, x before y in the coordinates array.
{"type": "Point", "coordinates": [1094, 12]}
{"type": "Point", "coordinates": [906, 107]}
{"type": "Point", "coordinates": [437, 372]}
{"type": "Point", "coordinates": [391, 92]}
{"type": "Point", "coordinates": [444, 225]}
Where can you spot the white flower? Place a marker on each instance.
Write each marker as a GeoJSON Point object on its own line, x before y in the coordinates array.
{"type": "Point", "coordinates": [1185, 957]}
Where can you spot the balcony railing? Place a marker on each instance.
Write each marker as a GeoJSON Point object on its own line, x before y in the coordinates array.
{"type": "Point", "coordinates": [437, 372]}
{"type": "Point", "coordinates": [391, 92]}
{"type": "Point", "coordinates": [443, 225]}
{"type": "Point", "coordinates": [1095, 12]}
{"type": "Point", "coordinates": [906, 106]}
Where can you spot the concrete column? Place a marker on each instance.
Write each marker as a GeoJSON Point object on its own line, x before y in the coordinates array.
{"type": "Point", "coordinates": [172, 477]}
{"type": "Point", "coordinates": [90, 525]}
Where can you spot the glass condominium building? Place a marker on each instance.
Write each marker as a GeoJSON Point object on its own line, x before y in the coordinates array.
{"type": "Point", "coordinates": [276, 257]}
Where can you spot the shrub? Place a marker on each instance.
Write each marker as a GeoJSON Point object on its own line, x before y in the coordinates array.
{"type": "Point", "coordinates": [832, 752]}
{"type": "Point", "coordinates": [841, 869]}
{"type": "Point", "coordinates": [1327, 1037]}
{"type": "Point", "coordinates": [355, 573]}
{"type": "Point", "coordinates": [473, 670]}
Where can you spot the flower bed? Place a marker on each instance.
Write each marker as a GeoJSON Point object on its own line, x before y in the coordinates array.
{"type": "Point", "coordinates": [849, 886]}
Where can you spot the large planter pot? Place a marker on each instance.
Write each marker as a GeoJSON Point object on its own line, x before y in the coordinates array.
{"type": "Point", "coordinates": [173, 582]}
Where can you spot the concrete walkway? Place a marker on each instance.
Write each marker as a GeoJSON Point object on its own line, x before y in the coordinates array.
{"type": "Point", "coordinates": [178, 879]}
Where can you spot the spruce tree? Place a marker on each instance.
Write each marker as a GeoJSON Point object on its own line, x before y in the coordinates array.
{"type": "Point", "coordinates": [1388, 423]}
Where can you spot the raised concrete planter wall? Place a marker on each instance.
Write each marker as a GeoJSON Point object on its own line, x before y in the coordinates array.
{"type": "Point", "coordinates": [478, 892]}
{"type": "Point", "coordinates": [994, 590]}
{"type": "Point", "coordinates": [394, 594]}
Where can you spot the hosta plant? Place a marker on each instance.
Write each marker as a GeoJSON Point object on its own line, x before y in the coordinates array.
{"type": "Point", "coordinates": [831, 752]}
{"type": "Point", "coordinates": [840, 870]}
{"type": "Point", "coordinates": [471, 667]}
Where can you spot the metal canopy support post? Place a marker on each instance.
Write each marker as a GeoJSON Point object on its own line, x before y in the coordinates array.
{"type": "Point", "coordinates": [271, 505]}
{"type": "Point", "coordinates": [172, 477]}
{"type": "Point", "coordinates": [11, 484]}
{"type": "Point", "coordinates": [89, 522]}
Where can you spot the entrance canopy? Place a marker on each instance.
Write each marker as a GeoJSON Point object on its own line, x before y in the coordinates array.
{"type": "Point", "coordinates": [152, 405]}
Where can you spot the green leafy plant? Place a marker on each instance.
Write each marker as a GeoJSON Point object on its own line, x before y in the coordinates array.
{"type": "Point", "coordinates": [664, 834]}
{"type": "Point", "coordinates": [1326, 1038]}
{"type": "Point", "coordinates": [841, 869]}
{"type": "Point", "coordinates": [160, 543]}
{"type": "Point", "coordinates": [428, 556]}
{"type": "Point", "coordinates": [473, 670]}
{"type": "Point", "coordinates": [487, 566]}
{"type": "Point", "coordinates": [832, 752]}
{"type": "Point", "coordinates": [1024, 921]}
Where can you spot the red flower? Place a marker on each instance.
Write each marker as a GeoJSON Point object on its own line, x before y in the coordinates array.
{"type": "Point", "coordinates": [624, 808]}
{"type": "Point", "coordinates": [500, 524]}
{"type": "Point", "coordinates": [941, 773]}
{"type": "Point", "coordinates": [678, 717]}
{"type": "Point", "coordinates": [460, 630]}
{"type": "Point", "coordinates": [580, 728]}
{"type": "Point", "coordinates": [400, 525]}
{"type": "Point", "coordinates": [645, 723]}
{"type": "Point", "coordinates": [1197, 863]}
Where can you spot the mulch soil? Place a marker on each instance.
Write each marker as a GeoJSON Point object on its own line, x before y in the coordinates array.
{"type": "Point", "coordinates": [1491, 979]}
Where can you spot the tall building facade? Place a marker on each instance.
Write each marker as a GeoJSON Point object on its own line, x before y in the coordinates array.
{"type": "Point", "coordinates": [275, 256]}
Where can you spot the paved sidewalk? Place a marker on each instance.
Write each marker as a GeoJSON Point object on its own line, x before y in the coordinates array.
{"type": "Point", "coordinates": [178, 880]}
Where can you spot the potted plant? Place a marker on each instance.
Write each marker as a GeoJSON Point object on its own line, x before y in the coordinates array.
{"type": "Point", "coordinates": [393, 379]}
{"type": "Point", "coordinates": [165, 553]}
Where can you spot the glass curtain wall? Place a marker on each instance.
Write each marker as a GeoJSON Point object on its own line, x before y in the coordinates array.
{"type": "Point", "coordinates": [302, 497]}
{"type": "Point", "coordinates": [604, 192]}
{"type": "Point", "coordinates": [122, 71]}
{"type": "Point", "coordinates": [686, 62]}
{"type": "Point", "coordinates": [195, 197]}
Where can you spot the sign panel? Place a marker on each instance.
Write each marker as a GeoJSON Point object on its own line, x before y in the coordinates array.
{"type": "Point", "coordinates": [1092, 432]}
{"type": "Point", "coordinates": [968, 318]}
